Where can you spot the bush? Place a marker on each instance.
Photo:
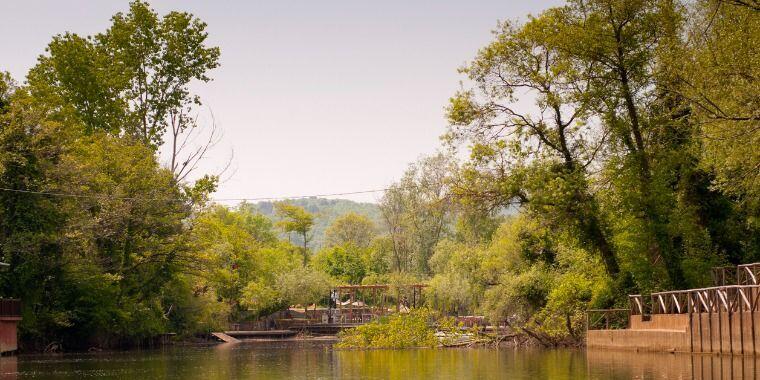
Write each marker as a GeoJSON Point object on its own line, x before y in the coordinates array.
{"type": "Point", "coordinates": [394, 331]}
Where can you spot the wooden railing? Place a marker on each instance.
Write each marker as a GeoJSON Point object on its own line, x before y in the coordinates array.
{"type": "Point", "coordinates": [721, 318]}
{"type": "Point", "coordinates": [10, 307]}
{"type": "Point", "coordinates": [724, 276]}
{"type": "Point", "coordinates": [672, 302]}
{"type": "Point", "coordinates": [607, 319]}
{"type": "Point", "coordinates": [733, 298]}
{"type": "Point", "coordinates": [745, 274]}
{"type": "Point", "coordinates": [748, 274]}
{"type": "Point", "coordinates": [637, 305]}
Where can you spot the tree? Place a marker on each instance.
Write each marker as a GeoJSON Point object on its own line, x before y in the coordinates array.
{"type": "Point", "coordinates": [540, 158]}
{"type": "Point", "coordinates": [242, 259]}
{"type": "Point", "coordinates": [294, 219]}
{"type": "Point", "coordinates": [351, 228]}
{"type": "Point", "coordinates": [94, 229]}
{"type": "Point", "coordinates": [620, 39]}
{"type": "Point", "coordinates": [120, 246]}
{"type": "Point", "coordinates": [416, 211]}
{"type": "Point", "coordinates": [719, 82]}
{"type": "Point", "coordinates": [303, 286]}
{"type": "Point", "coordinates": [347, 262]}
{"type": "Point", "coordinates": [134, 79]}
{"type": "Point", "coordinates": [640, 58]}
{"type": "Point", "coordinates": [7, 88]}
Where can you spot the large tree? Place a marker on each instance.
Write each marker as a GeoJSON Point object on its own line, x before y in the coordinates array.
{"type": "Point", "coordinates": [92, 225]}
{"type": "Point", "coordinates": [538, 156]}
{"type": "Point", "coordinates": [132, 80]}
{"type": "Point", "coordinates": [417, 211]}
{"type": "Point", "coordinates": [720, 82]}
{"type": "Point", "coordinates": [295, 220]}
{"type": "Point", "coordinates": [351, 228]}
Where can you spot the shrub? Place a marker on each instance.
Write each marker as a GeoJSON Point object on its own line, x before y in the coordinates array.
{"type": "Point", "coordinates": [399, 330]}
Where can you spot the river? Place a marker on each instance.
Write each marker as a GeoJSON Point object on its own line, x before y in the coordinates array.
{"type": "Point", "coordinates": [318, 360]}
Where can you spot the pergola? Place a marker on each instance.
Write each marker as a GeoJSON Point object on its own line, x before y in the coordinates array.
{"type": "Point", "coordinates": [378, 293]}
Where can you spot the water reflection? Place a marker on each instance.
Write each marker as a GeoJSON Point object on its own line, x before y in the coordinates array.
{"type": "Point", "coordinates": [8, 368]}
{"type": "Point", "coordinates": [629, 365]}
{"type": "Point", "coordinates": [317, 360]}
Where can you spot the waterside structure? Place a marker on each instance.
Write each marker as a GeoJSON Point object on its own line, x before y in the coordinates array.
{"type": "Point", "coordinates": [10, 315]}
{"type": "Point", "coordinates": [723, 319]}
{"type": "Point", "coordinates": [350, 306]}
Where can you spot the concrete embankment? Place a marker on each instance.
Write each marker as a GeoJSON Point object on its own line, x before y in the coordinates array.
{"type": "Point", "coordinates": [730, 333]}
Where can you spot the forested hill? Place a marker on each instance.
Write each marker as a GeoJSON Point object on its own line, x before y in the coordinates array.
{"type": "Point", "coordinates": [325, 212]}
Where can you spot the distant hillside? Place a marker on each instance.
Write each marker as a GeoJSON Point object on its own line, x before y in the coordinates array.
{"type": "Point", "coordinates": [325, 212]}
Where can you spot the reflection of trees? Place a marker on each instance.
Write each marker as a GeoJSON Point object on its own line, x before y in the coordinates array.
{"type": "Point", "coordinates": [315, 359]}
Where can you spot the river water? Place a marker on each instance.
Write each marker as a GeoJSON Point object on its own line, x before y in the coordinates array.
{"type": "Point", "coordinates": [318, 360]}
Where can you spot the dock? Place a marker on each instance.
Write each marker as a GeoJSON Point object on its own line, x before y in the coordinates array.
{"type": "Point", "coordinates": [263, 334]}
{"type": "Point", "coordinates": [224, 337]}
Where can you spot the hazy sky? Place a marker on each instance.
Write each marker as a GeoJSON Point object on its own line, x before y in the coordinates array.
{"type": "Point", "coordinates": [314, 97]}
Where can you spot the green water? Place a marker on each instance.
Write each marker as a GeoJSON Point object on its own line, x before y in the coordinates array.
{"type": "Point", "coordinates": [317, 360]}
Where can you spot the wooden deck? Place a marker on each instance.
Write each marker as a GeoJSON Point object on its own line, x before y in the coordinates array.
{"type": "Point", "coordinates": [261, 334]}
{"type": "Point", "coordinates": [225, 338]}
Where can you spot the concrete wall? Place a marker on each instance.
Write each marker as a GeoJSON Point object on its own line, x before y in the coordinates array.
{"type": "Point", "coordinates": [722, 334]}
{"type": "Point", "coordinates": [705, 332]}
{"type": "Point", "coordinates": [8, 334]}
{"type": "Point", "coordinates": [660, 322]}
{"type": "Point", "coordinates": [639, 340]}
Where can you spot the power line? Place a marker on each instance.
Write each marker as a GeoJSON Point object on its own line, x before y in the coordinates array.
{"type": "Point", "coordinates": [250, 199]}
{"type": "Point", "coordinates": [301, 196]}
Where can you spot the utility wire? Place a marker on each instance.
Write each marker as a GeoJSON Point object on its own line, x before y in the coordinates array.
{"type": "Point", "coordinates": [104, 196]}
{"type": "Point", "coordinates": [302, 196]}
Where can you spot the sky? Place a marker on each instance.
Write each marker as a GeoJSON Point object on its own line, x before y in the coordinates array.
{"type": "Point", "coordinates": [313, 97]}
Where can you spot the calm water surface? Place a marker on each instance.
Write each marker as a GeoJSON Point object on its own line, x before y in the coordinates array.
{"type": "Point", "coordinates": [317, 360]}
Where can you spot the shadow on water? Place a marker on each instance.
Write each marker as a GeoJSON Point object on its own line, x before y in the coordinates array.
{"type": "Point", "coordinates": [317, 360]}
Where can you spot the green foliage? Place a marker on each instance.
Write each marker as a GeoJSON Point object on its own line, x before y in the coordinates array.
{"type": "Point", "coordinates": [7, 88]}
{"type": "Point", "coordinates": [634, 168]}
{"type": "Point", "coordinates": [719, 81]}
{"type": "Point", "coordinates": [85, 266]}
{"type": "Point", "coordinates": [294, 219]}
{"type": "Point", "coordinates": [351, 228]}
{"type": "Point", "coordinates": [418, 212]}
{"type": "Point", "coordinates": [454, 287]}
{"type": "Point", "coordinates": [112, 263]}
{"type": "Point", "coordinates": [346, 263]}
{"type": "Point", "coordinates": [326, 212]}
{"type": "Point", "coordinates": [400, 330]}
{"type": "Point", "coordinates": [626, 96]}
{"type": "Point", "coordinates": [132, 79]}
{"type": "Point", "coordinates": [525, 276]}
{"type": "Point", "coordinates": [303, 286]}
{"type": "Point", "coordinates": [243, 259]}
